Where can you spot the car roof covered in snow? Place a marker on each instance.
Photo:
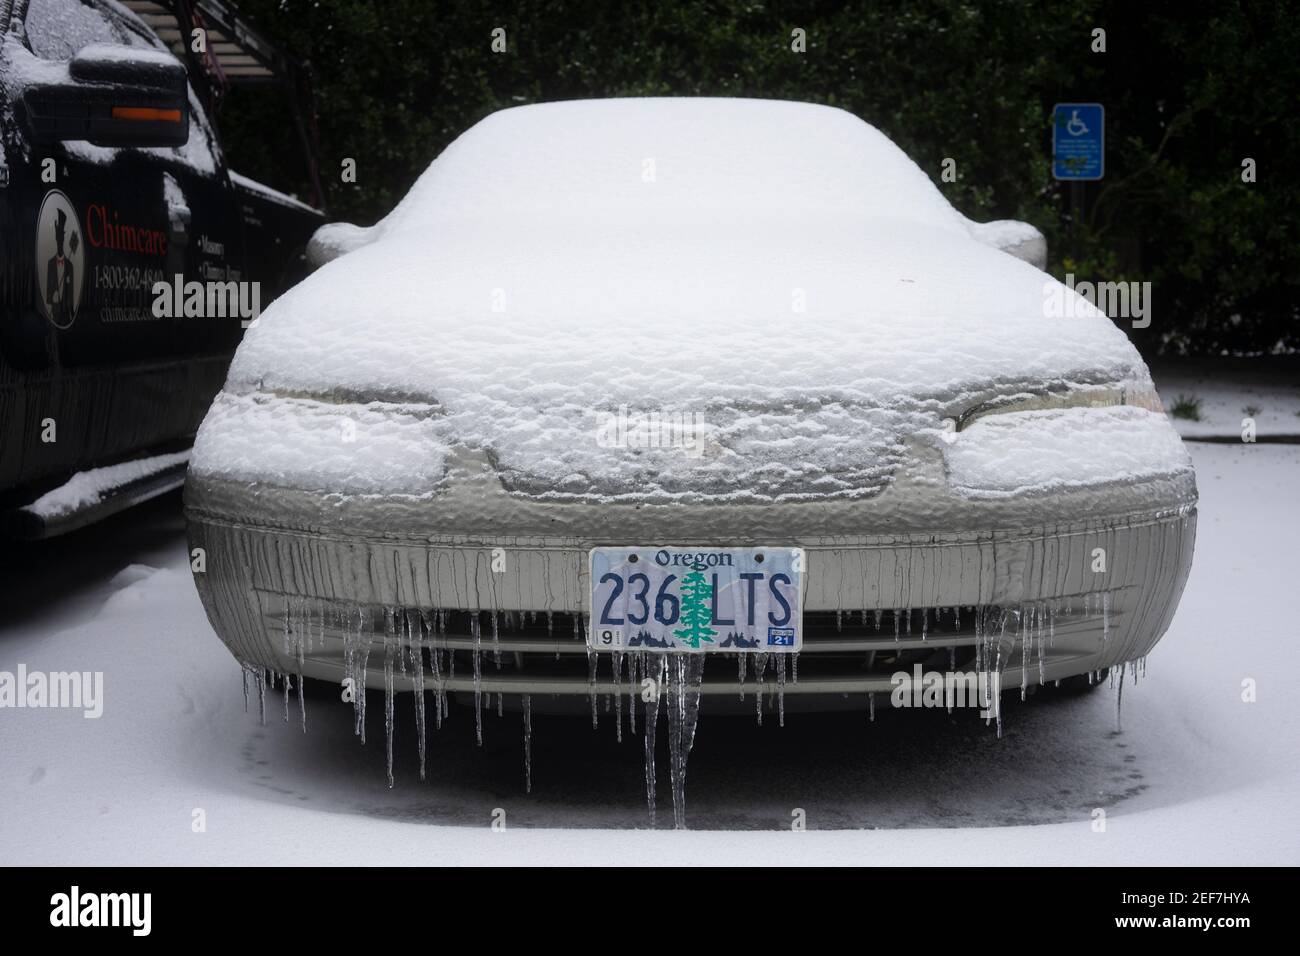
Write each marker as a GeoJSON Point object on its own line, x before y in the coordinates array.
{"type": "Point", "coordinates": [674, 161]}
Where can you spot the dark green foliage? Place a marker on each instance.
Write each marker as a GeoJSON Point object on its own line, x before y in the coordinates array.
{"type": "Point", "coordinates": [1189, 93]}
{"type": "Point", "coordinates": [1188, 407]}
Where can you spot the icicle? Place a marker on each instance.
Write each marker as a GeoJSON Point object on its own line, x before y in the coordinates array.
{"type": "Point", "coordinates": [388, 694]}
{"type": "Point", "coordinates": [760, 668]}
{"type": "Point", "coordinates": [350, 650]}
{"type": "Point", "coordinates": [286, 698]}
{"type": "Point", "coordinates": [617, 659]}
{"type": "Point", "coordinates": [683, 714]}
{"type": "Point", "coordinates": [245, 670]}
{"type": "Point", "coordinates": [478, 676]}
{"type": "Point", "coordinates": [496, 640]}
{"type": "Point", "coordinates": [794, 668]}
{"type": "Point", "coordinates": [287, 628]}
{"type": "Point", "coordinates": [633, 682]}
{"type": "Point", "coordinates": [1119, 697]}
{"type": "Point", "coordinates": [416, 644]}
{"type": "Point", "coordinates": [1044, 612]}
{"type": "Point", "coordinates": [302, 701]}
{"type": "Point", "coordinates": [320, 631]}
{"type": "Point", "coordinates": [399, 639]}
{"type": "Point", "coordinates": [527, 707]}
{"type": "Point", "coordinates": [1026, 625]}
{"type": "Point", "coordinates": [997, 698]}
{"type": "Point", "coordinates": [875, 612]}
{"type": "Point", "coordinates": [871, 706]}
{"type": "Point", "coordinates": [592, 661]}
{"type": "Point", "coordinates": [1105, 617]}
{"type": "Point", "coordinates": [261, 695]}
{"type": "Point", "coordinates": [359, 673]}
{"type": "Point", "coordinates": [651, 721]}
{"type": "Point", "coordinates": [780, 690]}
{"type": "Point", "coordinates": [435, 663]}
{"type": "Point", "coordinates": [925, 621]}
{"type": "Point", "coordinates": [897, 612]}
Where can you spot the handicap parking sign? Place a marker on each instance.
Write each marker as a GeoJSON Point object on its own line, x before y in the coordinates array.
{"type": "Point", "coordinates": [1078, 141]}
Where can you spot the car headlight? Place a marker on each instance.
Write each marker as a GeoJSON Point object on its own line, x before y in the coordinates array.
{"type": "Point", "coordinates": [1101, 396]}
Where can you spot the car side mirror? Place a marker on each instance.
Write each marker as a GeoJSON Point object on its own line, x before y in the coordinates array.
{"type": "Point", "coordinates": [111, 95]}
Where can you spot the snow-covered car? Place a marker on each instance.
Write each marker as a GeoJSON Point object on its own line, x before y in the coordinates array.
{"type": "Point", "coordinates": [605, 347]}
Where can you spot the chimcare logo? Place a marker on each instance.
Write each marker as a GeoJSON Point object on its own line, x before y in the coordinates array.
{"type": "Point", "coordinates": [60, 260]}
{"type": "Point", "coordinates": [106, 232]}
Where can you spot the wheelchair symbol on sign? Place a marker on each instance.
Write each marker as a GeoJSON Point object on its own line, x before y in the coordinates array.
{"type": "Point", "coordinates": [1076, 126]}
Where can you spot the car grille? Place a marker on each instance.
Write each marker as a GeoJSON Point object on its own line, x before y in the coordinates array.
{"type": "Point", "coordinates": [540, 652]}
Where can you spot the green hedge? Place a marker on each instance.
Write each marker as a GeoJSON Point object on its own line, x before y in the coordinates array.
{"type": "Point", "coordinates": [1188, 96]}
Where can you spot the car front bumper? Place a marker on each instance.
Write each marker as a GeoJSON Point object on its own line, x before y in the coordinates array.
{"type": "Point", "coordinates": [494, 599]}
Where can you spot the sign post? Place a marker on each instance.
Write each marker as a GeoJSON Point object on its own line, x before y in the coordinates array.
{"type": "Point", "coordinates": [1078, 150]}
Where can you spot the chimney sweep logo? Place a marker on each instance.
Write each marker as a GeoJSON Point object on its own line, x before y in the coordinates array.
{"type": "Point", "coordinates": [60, 260]}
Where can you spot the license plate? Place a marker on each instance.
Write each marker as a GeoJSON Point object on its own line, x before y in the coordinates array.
{"type": "Point", "coordinates": [746, 600]}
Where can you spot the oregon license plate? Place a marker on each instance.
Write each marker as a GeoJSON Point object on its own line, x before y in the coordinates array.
{"type": "Point", "coordinates": [697, 599]}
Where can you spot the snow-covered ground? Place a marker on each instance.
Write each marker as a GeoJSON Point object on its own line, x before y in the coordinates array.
{"type": "Point", "coordinates": [1219, 396]}
{"type": "Point", "coordinates": [1196, 776]}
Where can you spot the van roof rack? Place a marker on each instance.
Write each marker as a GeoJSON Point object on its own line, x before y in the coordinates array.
{"type": "Point", "coordinates": [236, 55]}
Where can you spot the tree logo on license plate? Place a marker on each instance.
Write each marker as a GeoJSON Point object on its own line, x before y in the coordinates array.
{"type": "Point", "coordinates": [697, 609]}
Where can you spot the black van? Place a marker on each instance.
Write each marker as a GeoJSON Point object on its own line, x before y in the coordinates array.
{"type": "Point", "coordinates": [112, 180]}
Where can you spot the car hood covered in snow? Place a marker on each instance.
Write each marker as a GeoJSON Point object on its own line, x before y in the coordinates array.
{"type": "Point", "coordinates": [777, 279]}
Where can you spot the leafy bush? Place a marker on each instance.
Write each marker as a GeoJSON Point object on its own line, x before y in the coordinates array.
{"type": "Point", "coordinates": [1188, 96]}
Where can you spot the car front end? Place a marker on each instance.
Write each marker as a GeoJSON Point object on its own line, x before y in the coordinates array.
{"type": "Point", "coordinates": [543, 353]}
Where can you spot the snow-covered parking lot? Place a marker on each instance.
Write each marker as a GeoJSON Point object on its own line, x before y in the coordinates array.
{"type": "Point", "coordinates": [1197, 775]}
